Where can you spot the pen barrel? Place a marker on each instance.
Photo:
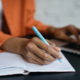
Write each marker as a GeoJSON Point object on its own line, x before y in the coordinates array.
{"type": "Point", "coordinates": [39, 35]}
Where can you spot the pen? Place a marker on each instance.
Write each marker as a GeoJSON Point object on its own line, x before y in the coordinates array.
{"type": "Point", "coordinates": [41, 37]}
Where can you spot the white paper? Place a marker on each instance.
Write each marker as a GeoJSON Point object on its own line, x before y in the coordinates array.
{"type": "Point", "coordinates": [11, 63]}
{"type": "Point", "coordinates": [55, 66]}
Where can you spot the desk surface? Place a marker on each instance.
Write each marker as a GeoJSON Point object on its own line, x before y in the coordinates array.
{"type": "Point", "coordinates": [72, 58]}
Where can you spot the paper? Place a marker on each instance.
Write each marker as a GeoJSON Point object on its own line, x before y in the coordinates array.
{"type": "Point", "coordinates": [11, 63]}
{"type": "Point", "coordinates": [55, 66]}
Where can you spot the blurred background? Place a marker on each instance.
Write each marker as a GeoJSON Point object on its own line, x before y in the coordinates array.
{"type": "Point", "coordinates": [58, 13]}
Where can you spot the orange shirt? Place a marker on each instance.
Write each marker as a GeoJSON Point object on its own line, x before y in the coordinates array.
{"type": "Point", "coordinates": [19, 15]}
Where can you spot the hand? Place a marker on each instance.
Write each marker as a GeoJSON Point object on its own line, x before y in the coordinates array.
{"type": "Point", "coordinates": [62, 33]}
{"type": "Point", "coordinates": [32, 50]}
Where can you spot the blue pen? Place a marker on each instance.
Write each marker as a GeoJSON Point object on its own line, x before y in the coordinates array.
{"type": "Point", "coordinates": [41, 37]}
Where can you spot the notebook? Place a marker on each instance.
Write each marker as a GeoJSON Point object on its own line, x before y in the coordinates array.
{"type": "Point", "coordinates": [12, 63]}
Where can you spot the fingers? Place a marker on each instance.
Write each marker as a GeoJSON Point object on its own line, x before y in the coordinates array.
{"type": "Point", "coordinates": [67, 38]}
{"type": "Point", "coordinates": [28, 59]}
{"type": "Point", "coordinates": [74, 32]}
{"type": "Point", "coordinates": [35, 52]}
{"type": "Point", "coordinates": [57, 49]}
{"type": "Point", "coordinates": [35, 59]}
{"type": "Point", "coordinates": [53, 46]}
{"type": "Point", "coordinates": [47, 48]}
{"type": "Point", "coordinates": [40, 53]}
{"type": "Point", "coordinates": [61, 33]}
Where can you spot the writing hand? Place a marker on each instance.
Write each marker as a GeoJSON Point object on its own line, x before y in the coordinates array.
{"type": "Point", "coordinates": [32, 50]}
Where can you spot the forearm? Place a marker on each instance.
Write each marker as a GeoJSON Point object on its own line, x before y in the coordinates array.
{"type": "Point", "coordinates": [14, 44]}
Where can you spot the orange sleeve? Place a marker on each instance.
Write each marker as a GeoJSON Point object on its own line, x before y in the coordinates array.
{"type": "Point", "coordinates": [3, 38]}
{"type": "Point", "coordinates": [32, 22]}
{"type": "Point", "coordinates": [42, 28]}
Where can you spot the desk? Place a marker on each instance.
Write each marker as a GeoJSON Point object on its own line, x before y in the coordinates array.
{"type": "Point", "coordinates": [73, 59]}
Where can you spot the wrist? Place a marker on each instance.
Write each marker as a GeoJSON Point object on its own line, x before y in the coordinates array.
{"type": "Point", "coordinates": [21, 45]}
{"type": "Point", "coordinates": [14, 44]}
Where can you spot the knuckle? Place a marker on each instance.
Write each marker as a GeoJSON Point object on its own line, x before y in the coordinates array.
{"type": "Point", "coordinates": [53, 45]}
{"type": "Point", "coordinates": [48, 48]}
{"type": "Point", "coordinates": [44, 56]}
{"type": "Point", "coordinates": [34, 38]}
{"type": "Point", "coordinates": [29, 45]}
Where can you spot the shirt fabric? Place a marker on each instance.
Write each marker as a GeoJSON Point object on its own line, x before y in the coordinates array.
{"type": "Point", "coordinates": [19, 15]}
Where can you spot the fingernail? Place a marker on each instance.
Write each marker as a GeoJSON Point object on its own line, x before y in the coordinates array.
{"type": "Point", "coordinates": [60, 56]}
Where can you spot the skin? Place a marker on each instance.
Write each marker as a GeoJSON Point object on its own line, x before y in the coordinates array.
{"type": "Point", "coordinates": [32, 49]}
{"type": "Point", "coordinates": [63, 33]}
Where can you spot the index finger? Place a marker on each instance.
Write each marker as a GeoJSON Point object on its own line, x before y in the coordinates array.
{"type": "Point", "coordinates": [75, 33]}
{"type": "Point", "coordinates": [48, 49]}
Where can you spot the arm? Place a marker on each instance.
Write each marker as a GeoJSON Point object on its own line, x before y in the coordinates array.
{"type": "Point", "coordinates": [60, 33]}
{"type": "Point", "coordinates": [30, 49]}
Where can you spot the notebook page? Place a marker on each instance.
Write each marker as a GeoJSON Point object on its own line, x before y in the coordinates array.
{"type": "Point", "coordinates": [55, 66]}
{"type": "Point", "coordinates": [11, 71]}
{"type": "Point", "coordinates": [11, 60]}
